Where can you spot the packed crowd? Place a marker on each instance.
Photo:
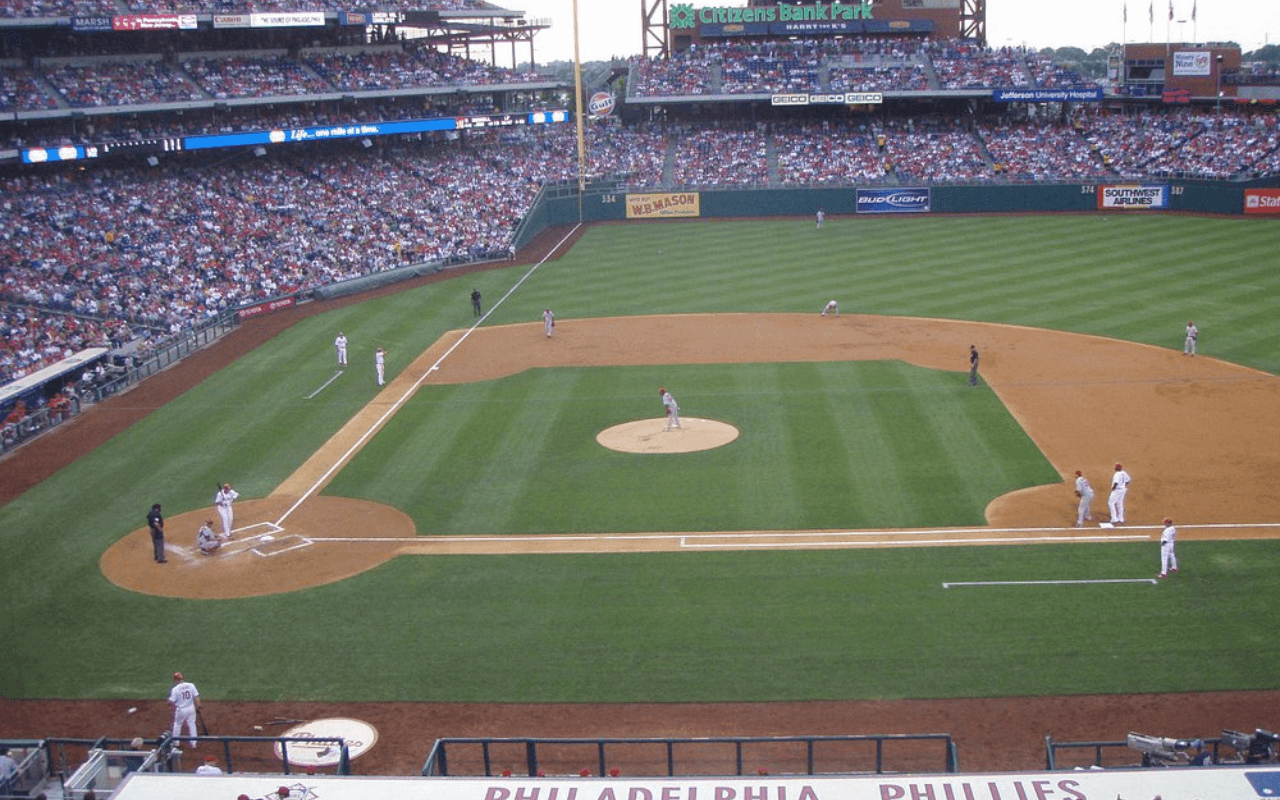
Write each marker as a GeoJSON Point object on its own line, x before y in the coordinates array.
{"type": "Point", "coordinates": [847, 154]}
{"type": "Point", "coordinates": [723, 156]}
{"type": "Point", "coordinates": [1194, 144]}
{"type": "Point", "coordinates": [69, 8]}
{"type": "Point", "coordinates": [83, 253]}
{"type": "Point", "coordinates": [150, 79]}
{"type": "Point", "coordinates": [846, 64]}
{"type": "Point", "coordinates": [1041, 151]}
{"type": "Point", "coordinates": [120, 83]}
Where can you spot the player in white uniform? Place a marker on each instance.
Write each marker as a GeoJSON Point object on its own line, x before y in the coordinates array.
{"type": "Point", "coordinates": [822, 217]}
{"type": "Point", "coordinates": [1115, 501]}
{"type": "Point", "coordinates": [185, 699]}
{"type": "Point", "coordinates": [341, 345]}
{"type": "Point", "coordinates": [380, 364]}
{"type": "Point", "coordinates": [673, 410]}
{"type": "Point", "coordinates": [1193, 333]}
{"type": "Point", "coordinates": [548, 322]}
{"type": "Point", "coordinates": [1168, 558]}
{"type": "Point", "coordinates": [832, 308]}
{"type": "Point", "coordinates": [1085, 492]}
{"type": "Point", "coordinates": [223, 500]}
{"type": "Point", "coordinates": [207, 540]}
{"type": "Point", "coordinates": [209, 767]}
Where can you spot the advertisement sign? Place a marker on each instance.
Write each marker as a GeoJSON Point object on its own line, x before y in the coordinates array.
{"type": "Point", "coordinates": [85, 24]}
{"type": "Point", "coordinates": [1262, 201]}
{"type": "Point", "coordinates": [1089, 95]}
{"type": "Point", "coordinates": [267, 307]}
{"type": "Point", "coordinates": [231, 20]}
{"type": "Point", "coordinates": [1140, 197]}
{"type": "Point", "coordinates": [1192, 63]}
{"type": "Point", "coordinates": [296, 19]}
{"type": "Point", "coordinates": [893, 201]}
{"type": "Point", "coordinates": [664, 205]}
{"type": "Point", "coordinates": [1177, 783]}
{"type": "Point", "coordinates": [42, 155]}
{"type": "Point", "coordinates": [836, 99]}
{"type": "Point", "coordinates": [154, 22]}
{"type": "Point", "coordinates": [601, 104]}
{"type": "Point", "coordinates": [683, 16]}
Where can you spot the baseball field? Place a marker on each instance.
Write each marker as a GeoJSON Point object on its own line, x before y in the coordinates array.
{"type": "Point", "coordinates": [877, 531]}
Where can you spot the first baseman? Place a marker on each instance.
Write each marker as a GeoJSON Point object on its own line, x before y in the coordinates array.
{"type": "Point", "coordinates": [1115, 501]}
{"type": "Point", "coordinates": [1085, 492]}
{"type": "Point", "coordinates": [223, 500]}
{"type": "Point", "coordinates": [1193, 333]}
{"type": "Point", "coordinates": [549, 322]}
{"type": "Point", "coordinates": [185, 699]}
{"type": "Point", "coordinates": [673, 410]}
{"type": "Point", "coordinates": [1168, 558]}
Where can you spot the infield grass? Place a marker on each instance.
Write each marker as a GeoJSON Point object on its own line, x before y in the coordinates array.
{"type": "Point", "coordinates": [853, 444]}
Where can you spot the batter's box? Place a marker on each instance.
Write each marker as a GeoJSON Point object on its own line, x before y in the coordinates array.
{"type": "Point", "coordinates": [274, 546]}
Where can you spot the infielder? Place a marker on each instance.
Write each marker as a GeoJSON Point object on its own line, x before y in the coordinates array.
{"type": "Point", "coordinates": [832, 308]}
{"type": "Point", "coordinates": [223, 500]}
{"type": "Point", "coordinates": [340, 344]}
{"type": "Point", "coordinates": [185, 699]}
{"type": "Point", "coordinates": [1168, 558]}
{"type": "Point", "coordinates": [548, 322]}
{"type": "Point", "coordinates": [380, 364]}
{"type": "Point", "coordinates": [1115, 501]}
{"type": "Point", "coordinates": [1193, 333]}
{"type": "Point", "coordinates": [973, 365]}
{"type": "Point", "coordinates": [1085, 492]}
{"type": "Point", "coordinates": [673, 410]}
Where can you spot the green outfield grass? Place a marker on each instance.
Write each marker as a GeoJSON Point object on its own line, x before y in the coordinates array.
{"type": "Point", "coordinates": [850, 445]}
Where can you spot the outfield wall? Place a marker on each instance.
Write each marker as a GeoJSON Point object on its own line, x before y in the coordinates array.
{"type": "Point", "coordinates": [604, 203]}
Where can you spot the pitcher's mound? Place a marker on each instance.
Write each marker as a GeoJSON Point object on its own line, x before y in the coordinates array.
{"type": "Point", "coordinates": [649, 436]}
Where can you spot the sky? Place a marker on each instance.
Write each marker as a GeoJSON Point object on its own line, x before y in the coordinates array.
{"type": "Point", "coordinates": [612, 27]}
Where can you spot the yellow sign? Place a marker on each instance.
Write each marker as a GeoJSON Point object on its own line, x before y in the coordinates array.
{"type": "Point", "coordinates": [667, 204]}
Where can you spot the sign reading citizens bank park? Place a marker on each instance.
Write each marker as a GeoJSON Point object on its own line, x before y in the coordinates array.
{"type": "Point", "coordinates": [664, 205]}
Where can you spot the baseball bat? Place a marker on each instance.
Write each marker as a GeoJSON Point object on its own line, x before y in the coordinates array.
{"type": "Point", "coordinates": [204, 729]}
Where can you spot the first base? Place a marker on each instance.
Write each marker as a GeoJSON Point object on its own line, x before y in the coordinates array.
{"type": "Point", "coordinates": [1105, 525]}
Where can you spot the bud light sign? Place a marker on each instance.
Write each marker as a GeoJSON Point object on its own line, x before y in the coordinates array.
{"type": "Point", "coordinates": [893, 201]}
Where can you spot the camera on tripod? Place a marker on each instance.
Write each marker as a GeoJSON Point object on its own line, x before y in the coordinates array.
{"type": "Point", "coordinates": [1252, 748]}
{"type": "Point", "coordinates": [1157, 751]}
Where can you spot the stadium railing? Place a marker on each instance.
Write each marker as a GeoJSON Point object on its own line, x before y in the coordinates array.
{"type": "Point", "coordinates": [808, 755]}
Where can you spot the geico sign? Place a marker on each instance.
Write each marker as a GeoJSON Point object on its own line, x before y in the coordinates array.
{"type": "Point", "coordinates": [790, 100]}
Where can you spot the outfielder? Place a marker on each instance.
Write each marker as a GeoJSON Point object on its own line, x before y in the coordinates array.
{"type": "Point", "coordinates": [1193, 333]}
{"type": "Point", "coordinates": [380, 364]}
{"type": "Point", "coordinates": [341, 345]}
{"type": "Point", "coordinates": [1085, 492]}
{"type": "Point", "coordinates": [223, 500]}
{"type": "Point", "coordinates": [1168, 558]}
{"type": "Point", "coordinates": [185, 699]}
{"type": "Point", "coordinates": [1115, 501]}
{"type": "Point", "coordinates": [673, 410]}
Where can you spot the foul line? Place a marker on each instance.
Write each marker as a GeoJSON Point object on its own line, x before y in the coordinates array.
{"type": "Point", "coordinates": [326, 383]}
{"type": "Point", "coordinates": [1152, 581]}
{"type": "Point", "coordinates": [414, 387]}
